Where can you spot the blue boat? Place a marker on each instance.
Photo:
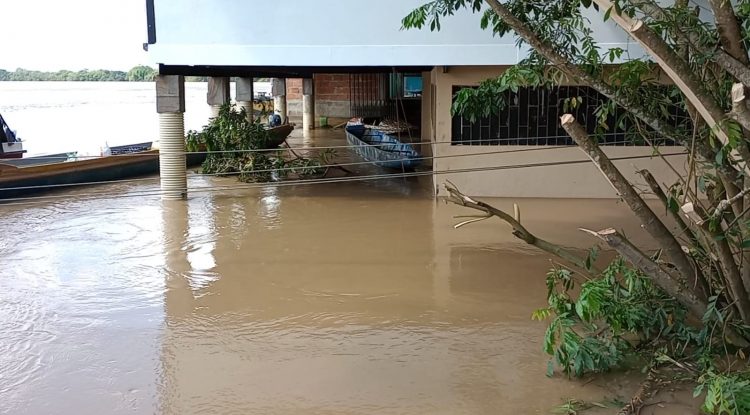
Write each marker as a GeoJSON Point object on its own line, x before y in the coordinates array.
{"type": "Point", "coordinates": [381, 149]}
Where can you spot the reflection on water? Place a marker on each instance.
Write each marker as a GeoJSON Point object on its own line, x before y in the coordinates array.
{"type": "Point", "coordinates": [327, 299]}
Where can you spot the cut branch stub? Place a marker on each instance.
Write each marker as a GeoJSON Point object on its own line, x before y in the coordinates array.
{"type": "Point", "coordinates": [740, 112]}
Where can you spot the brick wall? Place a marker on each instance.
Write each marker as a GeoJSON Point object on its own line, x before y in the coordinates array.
{"type": "Point", "coordinates": [294, 89]}
{"type": "Point", "coordinates": [332, 87]}
{"type": "Point", "coordinates": [331, 96]}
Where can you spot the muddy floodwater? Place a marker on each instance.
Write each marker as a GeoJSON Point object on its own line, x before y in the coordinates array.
{"type": "Point", "coordinates": [343, 298]}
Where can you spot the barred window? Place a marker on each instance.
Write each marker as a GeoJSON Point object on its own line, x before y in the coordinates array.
{"type": "Point", "coordinates": [532, 117]}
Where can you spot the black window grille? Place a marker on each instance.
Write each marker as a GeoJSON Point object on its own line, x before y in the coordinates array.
{"type": "Point", "coordinates": [531, 116]}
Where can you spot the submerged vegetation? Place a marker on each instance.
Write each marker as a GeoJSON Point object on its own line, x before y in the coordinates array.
{"type": "Point", "coordinates": [246, 149]}
{"type": "Point", "coordinates": [687, 305]}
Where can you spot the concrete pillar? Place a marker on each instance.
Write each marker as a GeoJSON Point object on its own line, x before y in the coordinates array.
{"type": "Point", "coordinates": [218, 94]}
{"type": "Point", "coordinates": [244, 96]}
{"type": "Point", "coordinates": [278, 90]}
{"type": "Point", "coordinates": [308, 104]}
{"type": "Point", "coordinates": [170, 104]}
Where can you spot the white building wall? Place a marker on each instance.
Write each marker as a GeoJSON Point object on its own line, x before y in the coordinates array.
{"type": "Point", "coordinates": [329, 33]}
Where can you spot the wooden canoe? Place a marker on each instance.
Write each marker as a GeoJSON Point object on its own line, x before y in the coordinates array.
{"type": "Point", "coordinates": [30, 177]}
{"type": "Point", "coordinates": [382, 149]}
{"type": "Point", "coordinates": [277, 135]}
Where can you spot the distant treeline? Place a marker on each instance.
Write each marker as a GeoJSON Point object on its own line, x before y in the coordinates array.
{"type": "Point", "coordinates": [137, 74]}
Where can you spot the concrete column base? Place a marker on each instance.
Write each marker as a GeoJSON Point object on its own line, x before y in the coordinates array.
{"type": "Point", "coordinates": [308, 112]}
{"type": "Point", "coordinates": [172, 155]}
{"type": "Point", "coordinates": [279, 107]}
{"type": "Point", "coordinates": [215, 110]}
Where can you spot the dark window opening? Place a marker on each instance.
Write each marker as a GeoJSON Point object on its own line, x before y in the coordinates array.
{"type": "Point", "coordinates": [531, 116]}
{"type": "Point", "coordinates": [405, 86]}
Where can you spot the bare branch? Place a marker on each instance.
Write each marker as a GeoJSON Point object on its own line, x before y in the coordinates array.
{"type": "Point", "coordinates": [519, 231]}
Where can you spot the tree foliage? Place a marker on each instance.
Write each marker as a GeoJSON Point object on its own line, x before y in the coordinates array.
{"type": "Point", "coordinates": [236, 146]}
{"type": "Point", "coordinates": [141, 74]}
{"type": "Point", "coordinates": [697, 63]}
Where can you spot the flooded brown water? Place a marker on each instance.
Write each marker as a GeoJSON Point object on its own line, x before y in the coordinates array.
{"type": "Point", "coordinates": [345, 298]}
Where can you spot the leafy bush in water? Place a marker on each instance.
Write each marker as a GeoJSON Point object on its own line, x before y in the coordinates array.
{"type": "Point", "coordinates": [593, 331]}
{"type": "Point", "coordinates": [596, 326]}
{"type": "Point", "coordinates": [233, 145]}
{"type": "Point", "coordinates": [725, 394]}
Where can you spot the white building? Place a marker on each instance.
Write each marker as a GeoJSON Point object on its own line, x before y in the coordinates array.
{"type": "Point", "coordinates": [351, 49]}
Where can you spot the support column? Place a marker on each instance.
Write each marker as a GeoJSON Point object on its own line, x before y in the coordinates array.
{"type": "Point", "coordinates": [278, 90]}
{"type": "Point", "coordinates": [170, 104]}
{"type": "Point", "coordinates": [218, 94]}
{"type": "Point", "coordinates": [244, 96]}
{"type": "Point", "coordinates": [308, 104]}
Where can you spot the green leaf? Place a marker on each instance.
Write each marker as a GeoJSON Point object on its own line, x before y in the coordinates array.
{"type": "Point", "coordinates": [607, 13]}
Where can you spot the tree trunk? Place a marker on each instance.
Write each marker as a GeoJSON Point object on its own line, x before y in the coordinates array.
{"type": "Point", "coordinates": [578, 75]}
{"type": "Point", "coordinates": [726, 259]}
{"type": "Point", "coordinates": [648, 218]}
{"type": "Point", "coordinates": [677, 69]}
{"type": "Point", "coordinates": [730, 34]}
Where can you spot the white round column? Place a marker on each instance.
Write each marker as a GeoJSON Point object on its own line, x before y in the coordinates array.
{"type": "Point", "coordinates": [172, 155]}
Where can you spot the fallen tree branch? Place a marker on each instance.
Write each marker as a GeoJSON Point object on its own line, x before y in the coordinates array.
{"type": "Point", "coordinates": [519, 231]}
{"type": "Point", "coordinates": [653, 225]}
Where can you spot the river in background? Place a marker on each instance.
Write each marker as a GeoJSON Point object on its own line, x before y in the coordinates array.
{"type": "Point", "coordinates": [344, 298]}
{"type": "Point", "coordinates": [55, 117]}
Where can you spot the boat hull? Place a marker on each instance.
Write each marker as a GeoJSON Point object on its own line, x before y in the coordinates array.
{"type": "Point", "coordinates": [12, 155]}
{"type": "Point", "coordinates": [22, 181]}
{"type": "Point", "coordinates": [382, 149]}
{"type": "Point", "coordinates": [277, 135]}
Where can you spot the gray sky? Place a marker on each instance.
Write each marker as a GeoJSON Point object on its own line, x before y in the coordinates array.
{"type": "Point", "coordinates": [72, 34]}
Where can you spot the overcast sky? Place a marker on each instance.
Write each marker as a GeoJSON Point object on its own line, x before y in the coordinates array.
{"type": "Point", "coordinates": [72, 34]}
